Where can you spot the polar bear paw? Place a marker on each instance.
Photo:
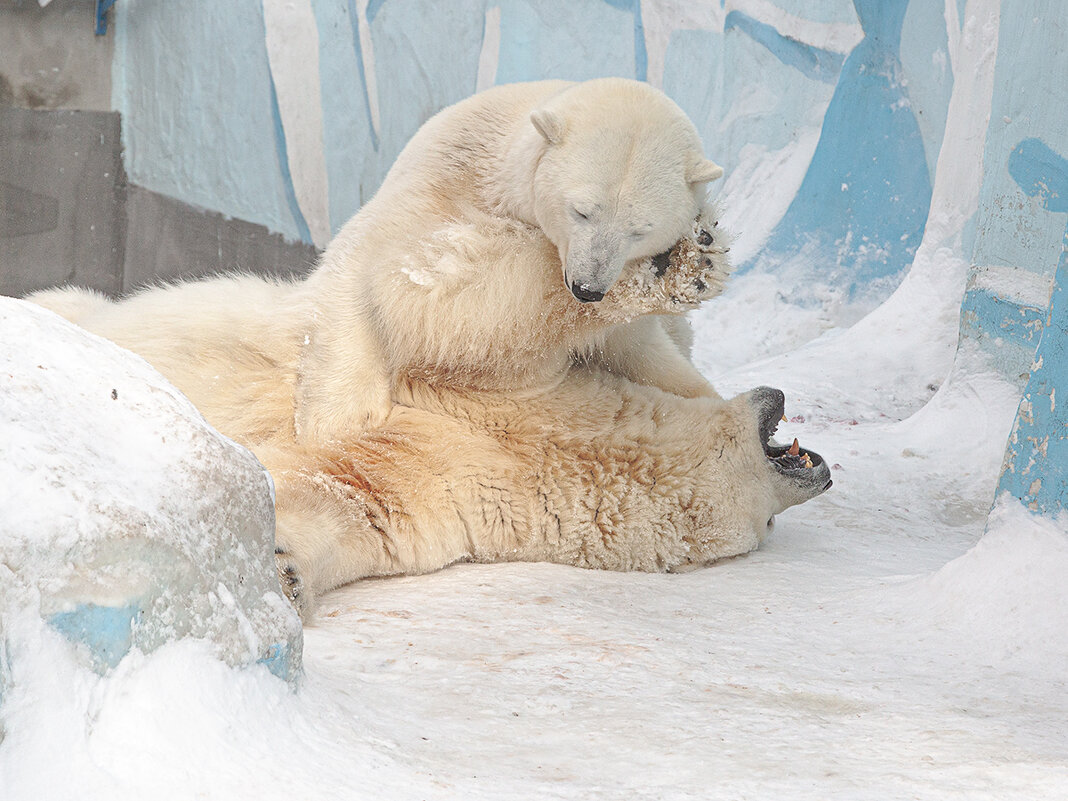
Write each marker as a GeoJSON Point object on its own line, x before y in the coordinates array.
{"type": "Point", "coordinates": [682, 278]}
{"type": "Point", "coordinates": [292, 583]}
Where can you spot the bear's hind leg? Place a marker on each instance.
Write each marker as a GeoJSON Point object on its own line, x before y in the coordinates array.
{"type": "Point", "coordinates": [353, 515]}
{"type": "Point", "coordinates": [326, 536]}
{"type": "Point", "coordinates": [308, 537]}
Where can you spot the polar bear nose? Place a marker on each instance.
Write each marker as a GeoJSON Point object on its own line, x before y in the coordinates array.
{"type": "Point", "coordinates": [585, 294]}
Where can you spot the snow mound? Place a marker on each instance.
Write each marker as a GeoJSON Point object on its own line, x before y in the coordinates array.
{"type": "Point", "coordinates": [126, 521]}
{"type": "Point", "coordinates": [1006, 598]}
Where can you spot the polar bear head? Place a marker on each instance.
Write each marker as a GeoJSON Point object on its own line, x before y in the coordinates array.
{"type": "Point", "coordinates": [621, 177]}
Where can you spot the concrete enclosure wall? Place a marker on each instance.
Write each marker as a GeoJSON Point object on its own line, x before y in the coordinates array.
{"type": "Point", "coordinates": [68, 213]}
{"type": "Point", "coordinates": [50, 60]}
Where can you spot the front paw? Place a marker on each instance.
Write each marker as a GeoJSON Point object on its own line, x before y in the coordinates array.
{"type": "Point", "coordinates": [698, 264]}
{"type": "Point", "coordinates": [680, 279]}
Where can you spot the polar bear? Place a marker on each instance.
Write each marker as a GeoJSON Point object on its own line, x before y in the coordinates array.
{"type": "Point", "coordinates": [487, 364]}
{"type": "Point", "coordinates": [454, 267]}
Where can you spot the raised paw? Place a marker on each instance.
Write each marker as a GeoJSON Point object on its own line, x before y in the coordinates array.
{"type": "Point", "coordinates": [680, 279]}
{"type": "Point", "coordinates": [292, 584]}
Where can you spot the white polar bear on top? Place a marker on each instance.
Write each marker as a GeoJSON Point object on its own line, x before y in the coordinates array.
{"type": "Point", "coordinates": [498, 200]}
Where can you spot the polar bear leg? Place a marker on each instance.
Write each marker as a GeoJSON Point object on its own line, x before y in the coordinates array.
{"type": "Point", "coordinates": [321, 544]}
{"type": "Point", "coordinates": [343, 387]}
{"type": "Point", "coordinates": [646, 353]}
{"type": "Point", "coordinates": [309, 532]}
{"type": "Point", "coordinates": [375, 508]}
{"type": "Point", "coordinates": [681, 333]}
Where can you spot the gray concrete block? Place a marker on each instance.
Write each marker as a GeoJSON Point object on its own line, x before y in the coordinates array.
{"type": "Point", "coordinates": [67, 215]}
{"type": "Point", "coordinates": [62, 198]}
{"type": "Point", "coordinates": [167, 239]}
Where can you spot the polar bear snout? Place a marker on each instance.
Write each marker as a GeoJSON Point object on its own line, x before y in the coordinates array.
{"type": "Point", "coordinates": [800, 473]}
{"type": "Point", "coordinates": [585, 294]}
{"type": "Point", "coordinates": [593, 262]}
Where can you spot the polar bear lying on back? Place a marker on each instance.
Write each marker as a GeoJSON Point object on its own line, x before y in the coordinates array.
{"type": "Point", "coordinates": [451, 269]}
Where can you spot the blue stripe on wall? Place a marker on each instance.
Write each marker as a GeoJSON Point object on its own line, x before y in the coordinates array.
{"type": "Point", "coordinates": [859, 214]}
{"type": "Point", "coordinates": [1036, 459]}
{"type": "Point", "coordinates": [354, 20]}
{"type": "Point", "coordinates": [283, 165]}
{"type": "Point", "coordinates": [814, 62]}
{"type": "Point", "coordinates": [373, 7]}
{"type": "Point", "coordinates": [641, 56]}
{"type": "Point", "coordinates": [1040, 172]}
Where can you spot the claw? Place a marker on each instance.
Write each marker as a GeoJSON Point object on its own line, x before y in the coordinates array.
{"type": "Point", "coordinates": [660, 263]}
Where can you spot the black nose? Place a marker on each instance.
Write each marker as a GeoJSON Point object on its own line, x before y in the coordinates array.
{"type": "Point", "coordinates": [585, 294]}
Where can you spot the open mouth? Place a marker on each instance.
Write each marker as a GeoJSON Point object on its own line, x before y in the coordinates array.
{"type": "Point", "coordinates": [794, 461]}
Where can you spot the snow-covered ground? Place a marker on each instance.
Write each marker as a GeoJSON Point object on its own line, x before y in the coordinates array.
{"type": "Point", "coordinates": [878, 646]}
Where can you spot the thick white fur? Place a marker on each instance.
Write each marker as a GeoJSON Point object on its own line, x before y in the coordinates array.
{"type": "Point", "coordinates": [496, 207]}
{"type": "Point", "coordinates": [230, 344]}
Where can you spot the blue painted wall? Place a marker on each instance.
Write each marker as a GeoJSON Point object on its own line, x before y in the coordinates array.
{"type": "Point", "coordinates": [194, 90]}
{"type": "Point", "coordinates": [1036, 460]}
{"type": "Point", "coordinates": [1029, 102]}
{"type": "Point", "coordinates": [861, 209]}
{"type": "Point", "coordinates": [1015, 300]}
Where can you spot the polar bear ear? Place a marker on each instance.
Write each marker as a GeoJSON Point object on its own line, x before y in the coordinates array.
{"type": "Point", "coordinates": [549, 125]}
{"type": "Point", "coordinates": [704, 170]}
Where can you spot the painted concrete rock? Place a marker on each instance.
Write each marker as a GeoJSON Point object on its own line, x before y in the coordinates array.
{"type": "Point", "coordinates": [1036, 460]}
{"type": "Point", "coordinates": [125, 520]}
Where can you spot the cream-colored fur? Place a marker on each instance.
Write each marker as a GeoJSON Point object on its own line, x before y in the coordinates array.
{"type": "Point", "coordinates": [231, 344]}
{"type": "Point", "coordinates": [460, 268]}
{"type": "Point", "coordinates": [598, 472]}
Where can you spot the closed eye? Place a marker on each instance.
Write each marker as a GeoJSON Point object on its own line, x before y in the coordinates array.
{"type": "Point", "coordinates": [579, 214]}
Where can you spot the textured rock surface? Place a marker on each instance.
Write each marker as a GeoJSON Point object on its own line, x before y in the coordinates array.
{"type": "Point", "coordinates": [126, 521]}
